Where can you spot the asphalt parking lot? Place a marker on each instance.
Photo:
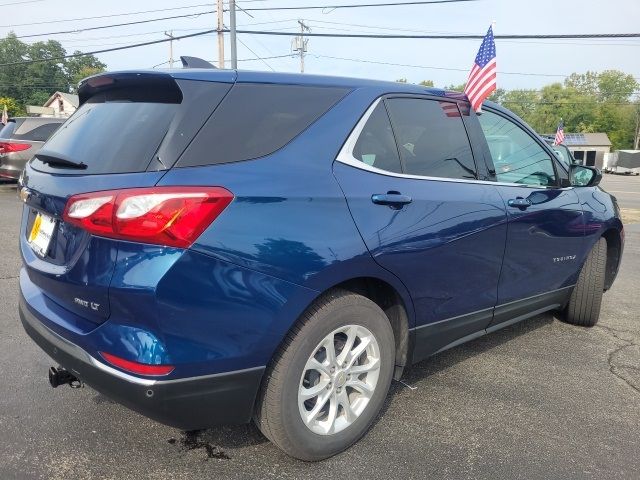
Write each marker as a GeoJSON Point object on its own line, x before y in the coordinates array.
{"type": "Point", "coordinates": [541, 399]}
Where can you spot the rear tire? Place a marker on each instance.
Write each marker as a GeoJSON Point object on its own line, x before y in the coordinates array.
{"type": "Point", "coordinates": [586, 299]}
{"type": "Point", "coordinates": [352, 388]}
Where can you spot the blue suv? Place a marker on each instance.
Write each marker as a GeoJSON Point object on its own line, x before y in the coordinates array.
{"type": "Point", "coordinates": [210, 247]}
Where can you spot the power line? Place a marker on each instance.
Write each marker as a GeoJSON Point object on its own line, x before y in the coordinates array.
{"type": "Point", "coordinates": [20, 3]}
{"type": "Point", "coordinates": [356, 5]}
{"type": "Point", "coordinates": [361, 60]}
{"type": "Point", "coordinates": [446, 37]}
{"type": "Point", "coordinates": [257, 56]}
{"type": "Point", "coordinates": [425, 67]}
{"type": "Point", "coordinates": [86, 29]}
{"type": "Point", "coordinates": [162, 40]}
{"type": "Point", "coordinates": [104, 16]}
{"type": "Point", "coordinates": [215, 60]}
{"type": "Point", "coordinates": [566, 103]}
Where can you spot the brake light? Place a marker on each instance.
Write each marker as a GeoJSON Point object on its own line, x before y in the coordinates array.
{"type": "Point", "coordinates": [7, 147]}
{"type": "Point", "coordinates": [137, 368]}
{"type": "Point", "coordinates": [171, 216]}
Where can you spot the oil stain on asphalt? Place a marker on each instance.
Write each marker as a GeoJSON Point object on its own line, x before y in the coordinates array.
{"type": "Point", "coordinates": [191, 441]}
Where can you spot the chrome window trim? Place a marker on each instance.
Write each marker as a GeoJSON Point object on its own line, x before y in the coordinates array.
{"type": "Point", "coordinates": [346, 157]}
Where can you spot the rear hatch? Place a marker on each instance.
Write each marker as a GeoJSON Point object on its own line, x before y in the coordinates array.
{"type": "Point", "coordinates": [130, 128]}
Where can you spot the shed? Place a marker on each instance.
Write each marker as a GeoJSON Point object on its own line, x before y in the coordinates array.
{"type": "Point", "coordinates": [588, 148]}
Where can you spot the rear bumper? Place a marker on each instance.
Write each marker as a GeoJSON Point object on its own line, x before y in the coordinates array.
{"type": "Point", "coordinates": [185, 403]}
{"type": "Point", "coordinates": [11, 165]}
{"type": "Point", "coordinates": [10, 173]}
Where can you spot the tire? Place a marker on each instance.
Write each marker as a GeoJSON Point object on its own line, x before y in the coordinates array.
{"type": "Point", "coordinates": [586, 299]}
{"type": "Point", "coordinates": [279, 411]}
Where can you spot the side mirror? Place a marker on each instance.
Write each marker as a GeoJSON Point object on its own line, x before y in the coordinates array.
{"type": "Point", "coordinates": [581, 176]}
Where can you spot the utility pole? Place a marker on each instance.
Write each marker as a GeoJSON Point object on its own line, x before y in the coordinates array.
{"type": "Point", "coordinates": [220, 12]}
{"type": "Point", "coordinates": [299, 43]}
{"type": "Point", "coordinates": [232, 36]}
{"type": "Point", "coordinates": [636, 140]}
{"type": "Point", "coordinates": [170, 35]}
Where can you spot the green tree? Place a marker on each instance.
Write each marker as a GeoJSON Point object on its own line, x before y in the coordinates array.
{"type": "Point", "coordinates": [34, 83]}
{"type": "Point", "coordinates": [77, 68]}
{"type": "Point", "coordinates": [521, 102]}
{"type": "Point", "coordinates": [13, 109]}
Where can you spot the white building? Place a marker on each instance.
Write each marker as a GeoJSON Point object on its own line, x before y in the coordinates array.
{"type": "Point", "coordinates": [62, 104]}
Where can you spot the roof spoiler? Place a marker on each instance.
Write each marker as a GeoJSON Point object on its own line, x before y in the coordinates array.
{"type": "Point", "coordinates": [195, 62]}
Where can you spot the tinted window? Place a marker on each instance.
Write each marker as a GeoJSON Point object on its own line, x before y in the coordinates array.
{"type": "Point", "coordinates": [376, 145]}
{"type": "Point", "coordinates": [256, 120]}
{"type": "Point", "coordinates": [35, 131]}
{"type": "Point", "coordinates": [111, 137]}
{"type": "Point", "coordinates": [431, 138]}
{"type": "Point", "coordinates": [517, 157]}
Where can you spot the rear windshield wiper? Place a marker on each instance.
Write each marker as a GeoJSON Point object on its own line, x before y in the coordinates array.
{"type": "Point", "coordinates": [60, 162]}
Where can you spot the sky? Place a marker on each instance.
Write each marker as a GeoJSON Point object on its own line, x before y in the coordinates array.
{"type": "Point", "coordinates": [443, 61]}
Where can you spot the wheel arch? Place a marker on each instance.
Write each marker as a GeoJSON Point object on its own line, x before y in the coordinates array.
{"type": "Point", "coordinates": [387, 297]}
{"type": "Point", "coordinates": [614, 254]}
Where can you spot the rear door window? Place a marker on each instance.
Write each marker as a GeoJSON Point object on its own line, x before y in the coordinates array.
{"type": "Point", "coordinates": [376, 146]}
{"type": "Point", "coordinates": [431, 138]}
{"type": "Point", "coordinates": [255, 120]}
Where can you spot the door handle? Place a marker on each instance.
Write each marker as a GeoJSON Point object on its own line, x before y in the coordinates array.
{"type": "Point", "coordinates": [519, 202]}
{"type": "Point", "coordinates": [392, 199]}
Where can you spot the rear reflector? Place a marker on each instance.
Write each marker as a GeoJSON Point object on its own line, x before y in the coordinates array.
{"type": "Point", "coordinates": [137, 368]}
{"type": "Point", "coordinates": [171, 216]}
{"type": "Point", "coordinates": [7, 147]}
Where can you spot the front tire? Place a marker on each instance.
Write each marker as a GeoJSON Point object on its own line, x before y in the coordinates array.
{"type": "Point", "coordinates": [326, 385]}
{"type": "Point", "coordinates": [586, 299]}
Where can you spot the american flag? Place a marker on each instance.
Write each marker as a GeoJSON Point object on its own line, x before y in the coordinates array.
{"type": "Point", "coordinates": [450, 109]}
{"type": "Point", "coordinates": [482, 79]}
{"type": "Point", "coordinates": [559, 134]}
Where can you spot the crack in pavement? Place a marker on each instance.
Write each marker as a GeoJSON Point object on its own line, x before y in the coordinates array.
{"type": "Point", "coordinates": [613, 368]}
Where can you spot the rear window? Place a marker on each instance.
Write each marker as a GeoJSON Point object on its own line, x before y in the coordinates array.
{"type": "Point", "coordinates": [112, 137]}
{"type": "Point", "coordinates": [255, 120]}
{"type": "Point", "coordinates": [35, 130]}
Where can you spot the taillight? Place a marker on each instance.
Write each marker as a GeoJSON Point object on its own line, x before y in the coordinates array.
{"type": "Point", "coordinates": [171, 216]}
{"type": "Point", "coordinates": [7, 147]}
{"type": "Point", "coordinates": [138, 368]}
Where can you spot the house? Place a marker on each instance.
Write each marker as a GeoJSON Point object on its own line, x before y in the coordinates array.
{"type": "Point", "coordinates": [588, 148]}
{"type": "Point", "coordinates": [63, 104]}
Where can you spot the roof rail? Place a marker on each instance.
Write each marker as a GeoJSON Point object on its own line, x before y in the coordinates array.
{"type": "Point", "coordinates": [195, 62]}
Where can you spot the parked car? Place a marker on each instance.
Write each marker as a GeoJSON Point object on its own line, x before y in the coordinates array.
{"type": "Point", "coordinates": [210, 247]}
{"type": "Point", "coordinates": [20, 140]}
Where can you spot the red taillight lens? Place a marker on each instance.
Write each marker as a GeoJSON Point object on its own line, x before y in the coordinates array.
{"type": "Point", "coordinates": [172, 216]}
{"type": "Point", "coordinates": [7, 147]}
{"type": "Point", "coordinates": [138, 368]}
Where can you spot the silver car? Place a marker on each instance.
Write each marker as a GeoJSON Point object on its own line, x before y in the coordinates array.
{"type": "Point", "coordinates": [20, 140]}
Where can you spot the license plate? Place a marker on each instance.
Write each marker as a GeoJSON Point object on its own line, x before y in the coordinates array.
{"type": "Point", "coordinates": [41, 233]}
